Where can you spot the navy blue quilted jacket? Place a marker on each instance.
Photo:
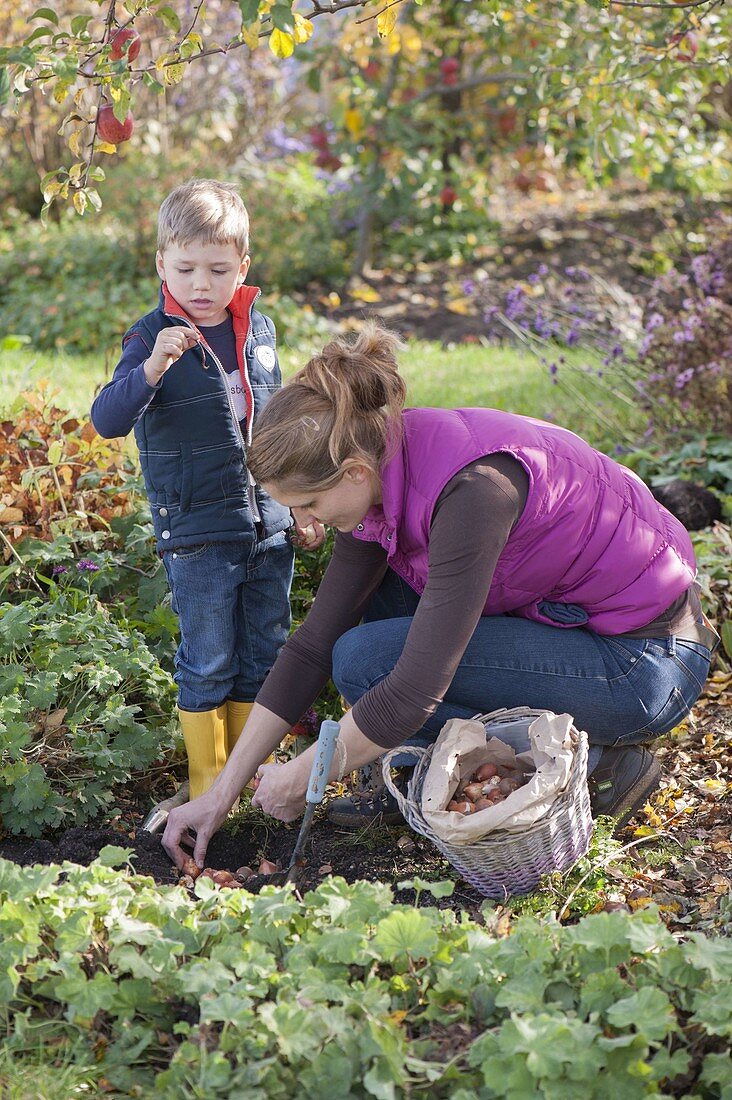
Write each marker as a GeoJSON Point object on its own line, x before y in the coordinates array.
{"type": "Point", "coordinates": [192, 447]}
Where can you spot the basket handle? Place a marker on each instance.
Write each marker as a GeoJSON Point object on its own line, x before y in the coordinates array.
{"type": "Point", "coordinates": [412, 750]}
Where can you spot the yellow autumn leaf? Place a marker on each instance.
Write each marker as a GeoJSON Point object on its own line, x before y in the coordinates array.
{"type": "Point", "coordinates": [105, 147]}
{"type": "Point", "coordinates": [51, 189]}
{"type": "Point", "coordinates": [250, 35]}
{"type": "Point", "coordinates": [411, 44]}
{"type": "Point", "coordinates": [394, 45]}
{"type": "Point", "coordinates": [460, 305]}
{"type": "Point", "coordinates": [362, 292]}
{"type": "Point", "coordinates": [173, 74]}
{"type": "Point", "coordinates": [353, 120]}
{"type": "Point", "coordinates": [303, 28]}
{"type": "Point", "coordinates": [74, 142]}
{"type": "Point", "coordinates": [79, 202]}
{"type": "Point", "coordinates": [61, 91]}
{"type": "Point", "coordinates": [281, 44]}
{"type": "Point", "coordinates": [386, 20]}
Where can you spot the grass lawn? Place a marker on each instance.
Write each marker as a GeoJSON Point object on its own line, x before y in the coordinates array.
{"type": "Point", "coordinates": [504, 378]}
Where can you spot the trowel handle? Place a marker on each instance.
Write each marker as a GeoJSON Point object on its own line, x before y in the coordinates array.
{"type": "Point", "coordinates": [320, 770]}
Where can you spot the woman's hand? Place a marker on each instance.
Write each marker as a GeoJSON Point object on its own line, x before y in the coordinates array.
{"type": "Point", "coordinates": [280, 790]}
{"type": "Point", "coordinates": [203, 817]}
{"type": "Point", "coordinates": [310, 537]}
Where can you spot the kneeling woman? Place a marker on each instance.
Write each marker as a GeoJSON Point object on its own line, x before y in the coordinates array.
{"type": "Point", "coordinates": [482, 560]}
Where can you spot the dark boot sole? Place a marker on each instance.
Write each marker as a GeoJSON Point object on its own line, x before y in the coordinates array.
{"type": "Point", "coordinates": [637, 796]}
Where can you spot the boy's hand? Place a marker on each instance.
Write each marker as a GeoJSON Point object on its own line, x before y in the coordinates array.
{"type": "Point", "coordinates": [308, 538]}
{"type": "Point", "coordinates": [169, 345]}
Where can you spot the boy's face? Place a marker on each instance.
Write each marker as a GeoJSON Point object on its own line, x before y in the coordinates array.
{"type": "Point", "coordinates": [202, 278]}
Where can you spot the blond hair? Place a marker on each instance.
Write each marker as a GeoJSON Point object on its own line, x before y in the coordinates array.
{"type": "Point", "coordinates": [204, 210]}
{"type": "Point", "coordinates": [346, 403]}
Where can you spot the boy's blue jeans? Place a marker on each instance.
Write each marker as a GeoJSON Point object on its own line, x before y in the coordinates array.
{"type": "Point", "coordinates": [622, 691]}
{"type": "Point", "coordinates": [233, 604]}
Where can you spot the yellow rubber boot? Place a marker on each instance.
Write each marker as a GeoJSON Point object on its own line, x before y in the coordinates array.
{"type": "Point", "coordinates": [236, 716]}
{"type": "Point", "coordinates": [204, 734]}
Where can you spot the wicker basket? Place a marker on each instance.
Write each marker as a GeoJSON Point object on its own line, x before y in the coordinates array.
{"type": "Point", "coordinates": [509, 862]}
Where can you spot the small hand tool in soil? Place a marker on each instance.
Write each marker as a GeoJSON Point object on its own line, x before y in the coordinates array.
{"type": "Point", "coordinates": [324, 749]}
{"type": "Point", "coordinates": [157, 819]}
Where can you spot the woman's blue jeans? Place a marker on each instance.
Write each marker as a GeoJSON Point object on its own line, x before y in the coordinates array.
{"type": "Point", "coordinates": [233, 606]}
{"type": "Point", "coordinates": [622, 691]}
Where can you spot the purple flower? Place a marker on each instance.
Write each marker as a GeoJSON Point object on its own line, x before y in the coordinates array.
{"type": "Point", "coordinates": [683, 378]}
{"type": "Point", "coordinates": [58, 569]}
{"type": "Point", "coordinates": [573, 336]}
{"type": "Point", "coordinates": [542, 326]}
{"type": "Point", "coordinates": [515, 303]}
{"type": "Point", "coordinates": [654, 321]}
{"type": "Point", "coordinates": [85, 565]}
{"type": "Point", "coordinates": [553, 368]}
{"type": "Point", "coordinates": [468, 287]}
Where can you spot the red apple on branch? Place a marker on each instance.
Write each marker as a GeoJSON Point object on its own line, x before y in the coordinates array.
{"type": "Point", "coordinates": [110, 128]}
{"type": "Point", "coordinates": [119, 43]}
{"type": "Point", "coordinates": [450, 69]}
{"type": "Point", "coordinates": [448, 195]}
{"type": "Point", "coordinates": [507, 121]}
{"type": "Point", "coordinates": [687, 44]}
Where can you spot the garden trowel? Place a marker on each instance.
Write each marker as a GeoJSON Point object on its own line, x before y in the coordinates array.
{"type": "Point", "coordinates": [324, 749]}
{"type": "Point", "coordinates": [157, 819]}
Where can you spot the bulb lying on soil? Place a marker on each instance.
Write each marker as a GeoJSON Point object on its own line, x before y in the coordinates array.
{"type": "Point", "coordinates": [191, 868]}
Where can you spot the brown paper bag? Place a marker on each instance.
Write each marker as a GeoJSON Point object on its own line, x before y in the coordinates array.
{"type": "Point", "coordinates": [461, 748]}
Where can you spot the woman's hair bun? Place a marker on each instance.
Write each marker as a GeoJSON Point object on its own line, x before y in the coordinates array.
{"type": "Point", "coordinates": [347, 402]}
{"type": "Point", "coordinates": [366, 363]}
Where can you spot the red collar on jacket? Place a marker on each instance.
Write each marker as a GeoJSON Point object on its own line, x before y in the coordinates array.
{"type": "Point", "coordinates": [239, 307]}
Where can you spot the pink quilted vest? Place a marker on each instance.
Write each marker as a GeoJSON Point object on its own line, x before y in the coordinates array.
{"type": "Point", "coordinates": [591, 536]}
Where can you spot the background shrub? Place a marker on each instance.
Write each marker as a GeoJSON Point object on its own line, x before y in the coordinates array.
{"type": "Point", "coordinates": [75, 285]}
{"type": "Point", "coordinates": [686, 350]}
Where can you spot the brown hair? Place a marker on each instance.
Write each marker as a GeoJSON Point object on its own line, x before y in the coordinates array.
{"type": "Point", "coordinates": [346, 403]}
{"type": "Point", "coordinates": [204, 210]}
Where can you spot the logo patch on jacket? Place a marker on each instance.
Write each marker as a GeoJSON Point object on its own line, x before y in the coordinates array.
{"type": "Point", "coordinates": [265, 357]}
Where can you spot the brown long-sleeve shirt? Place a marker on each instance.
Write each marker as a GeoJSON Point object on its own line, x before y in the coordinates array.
{"type": "Point", "coordinates": [471, 523]}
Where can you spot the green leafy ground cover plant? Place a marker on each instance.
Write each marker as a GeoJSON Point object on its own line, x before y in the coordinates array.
{"type": "Point", "coordinates": [346, 993]}
{"type": "Point", "coordinates": [84, 706]}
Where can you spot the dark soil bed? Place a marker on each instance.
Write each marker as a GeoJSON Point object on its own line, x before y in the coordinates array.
{"type": "Point", "coordinates": [386, 854]}
{"type": "Point", "coordinates": [686, 868]}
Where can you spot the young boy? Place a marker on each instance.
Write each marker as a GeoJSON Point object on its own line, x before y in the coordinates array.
{"type": "Point", "coordinates": [194, 374]}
